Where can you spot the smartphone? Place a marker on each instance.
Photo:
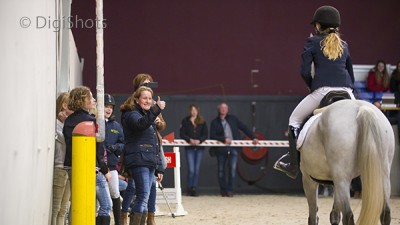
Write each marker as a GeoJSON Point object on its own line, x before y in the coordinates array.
{"type": "Point", "coordinates": [151, 84]}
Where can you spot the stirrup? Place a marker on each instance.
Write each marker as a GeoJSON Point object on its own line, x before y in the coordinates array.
{"type": "Point", "coordinates": [292, 173]}
{"type": "Point", "coordinates": [277, 165]}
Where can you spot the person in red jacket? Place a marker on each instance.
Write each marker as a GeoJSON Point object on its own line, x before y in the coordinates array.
{"type": "Point", "coordinates": [378, 80]}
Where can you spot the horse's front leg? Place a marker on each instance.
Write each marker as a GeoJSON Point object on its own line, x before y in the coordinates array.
{"type": "Point", "coordinates": [310, 189]}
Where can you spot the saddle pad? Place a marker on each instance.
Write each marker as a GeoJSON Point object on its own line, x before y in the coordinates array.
{"type": "Point", "coordinates": [304, 130]}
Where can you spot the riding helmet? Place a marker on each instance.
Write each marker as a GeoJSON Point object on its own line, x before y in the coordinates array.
{"type": "Point", "coordinates": [327, 16]}
{"type": "Point", "coordinates": [109, 100]}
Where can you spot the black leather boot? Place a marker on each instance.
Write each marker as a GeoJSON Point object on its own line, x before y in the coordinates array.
{"type": "Point", "coordinates": [291, 169]}
{"type": "Point", "coordinates": [103, 220]}
{"type": "Point", "coordinates": [117, 210]}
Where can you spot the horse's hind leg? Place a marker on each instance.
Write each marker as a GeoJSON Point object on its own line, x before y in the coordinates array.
{"type": "Point", "coordinates": [385, 215]}
{"type": "Point", "coordinates": [310, 189]}
{"type": "Point", "coordinates": [335, 216]}
{"type": "Point", "coordinates": [342, 202]}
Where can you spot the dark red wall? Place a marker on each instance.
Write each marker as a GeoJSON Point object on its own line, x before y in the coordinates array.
{"type": "Point", "coordinates": [210, 47]}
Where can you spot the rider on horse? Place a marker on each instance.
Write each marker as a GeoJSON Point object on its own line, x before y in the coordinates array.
{"type": "Point", "coordinates": [330, 57]}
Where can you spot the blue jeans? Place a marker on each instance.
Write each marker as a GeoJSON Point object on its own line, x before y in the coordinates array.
{"type": "Point", "coordinates": [153, 194]}
{"type": "Point", "coordinates": [193, 158]}
{"type": "Point", "coordinates": [129, 195]}
{"type": "Point", "coordinates": [103, 195]}
{"type": "Point", "coordinates": [143, 177]}
{"type": "Point", "coordinates": [122, 185]}
{"type": "Point", "coordinates": [224, 155]}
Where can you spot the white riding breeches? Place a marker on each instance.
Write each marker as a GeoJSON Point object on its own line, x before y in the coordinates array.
{"type": "Point", "coordinates": [311, 102]}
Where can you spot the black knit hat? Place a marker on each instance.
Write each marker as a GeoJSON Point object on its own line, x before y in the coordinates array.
{"type": "Point", "coordinates": [327, 16]}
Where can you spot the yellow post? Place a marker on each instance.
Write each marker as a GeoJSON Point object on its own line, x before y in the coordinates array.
{"type": "Point", "coordinates": [83, 174]}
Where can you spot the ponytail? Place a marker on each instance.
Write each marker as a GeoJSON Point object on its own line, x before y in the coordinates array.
{"type": "Point", "coordinates": [332, 44]}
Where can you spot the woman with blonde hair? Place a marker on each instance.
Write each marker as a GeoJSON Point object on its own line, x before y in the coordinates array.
{"type": "Point", "coordinates": [61, 184]}
{"type": "Point", "coordinates": [333, 72]}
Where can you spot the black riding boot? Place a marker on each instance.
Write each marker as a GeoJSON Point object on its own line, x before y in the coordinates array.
{"type": "Point", "coordinates": [103, 220]}
{"type": "Point", "coordinates": [291, 169]}
{"type": "Point", "coordinates": [117, 210]}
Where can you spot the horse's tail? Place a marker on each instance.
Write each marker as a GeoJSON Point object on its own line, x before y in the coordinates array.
{"type": "Point", "coordinates": [370, 166]}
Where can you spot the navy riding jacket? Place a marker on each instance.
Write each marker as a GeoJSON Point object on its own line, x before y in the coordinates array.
{"type": "Point", "coordinates": [69, 125]}
{"type": "Point", "coordinates": [114, 142]}
{"type": "Point", "coordinates": [328, 73]}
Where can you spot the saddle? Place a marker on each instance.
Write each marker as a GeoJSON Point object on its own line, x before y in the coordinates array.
{"type": "Point", "coordinates": [332, 97]}
{"type": "Point", "coordinates": [328, 99]}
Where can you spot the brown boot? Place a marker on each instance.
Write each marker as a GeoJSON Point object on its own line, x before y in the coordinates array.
{"type": "Point", "coordinates": [135, 218]}
{"type": "Point", "coordinates": [143, 219]}
{"type": "Point", "coordinates": [124, 218]}
{"type": "Point", "coordinates": [150, 219]}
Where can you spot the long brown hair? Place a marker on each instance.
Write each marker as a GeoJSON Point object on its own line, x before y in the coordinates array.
{"type": "Point", "coordinates": [381, 77]}
{"type": "Point", "coordinates": [396, 72]}
{"type": "Point", "coordinates": [130, 103]}
{"type": "Point", "coordinates": [139, 80]}
{"type": "Point", "coordinates": [199, 119]}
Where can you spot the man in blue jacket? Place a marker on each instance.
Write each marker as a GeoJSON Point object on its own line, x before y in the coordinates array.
{"type": "Point", "coordinates": [225, 128]}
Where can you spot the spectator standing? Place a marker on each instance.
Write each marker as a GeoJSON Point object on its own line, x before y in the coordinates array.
{"type": "Point", "coordinates": [225, 128]}
{"type": "Point", "coordinates": [142, 150]}
{"type": "Point", "coordinates": [61, 184]}
{"type": "Point", "coordinates": [81, 101]}
{"type": "Point", "coordinates": [114, 144]}
{"type": "Point", "coordinates": [194, 131]}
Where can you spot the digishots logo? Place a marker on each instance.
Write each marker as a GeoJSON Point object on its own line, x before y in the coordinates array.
{"type": "Point", "coordinates": [41, 22]}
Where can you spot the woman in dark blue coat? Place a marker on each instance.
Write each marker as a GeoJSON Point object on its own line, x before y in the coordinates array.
{"type": "Point", "coordinates": [329, 55]}
{"type": "Point", "coordinates": [142, 149]}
